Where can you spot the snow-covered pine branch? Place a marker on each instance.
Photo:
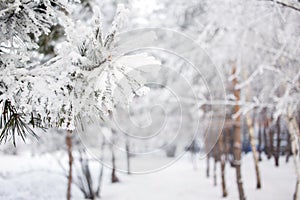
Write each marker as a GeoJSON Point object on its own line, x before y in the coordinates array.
{"type": "Point", "coordinates": [81, 80]}
{"type": "Point", "coordinates": [22, 22]}
{"type": "Point", "coordinates": [98, 68]}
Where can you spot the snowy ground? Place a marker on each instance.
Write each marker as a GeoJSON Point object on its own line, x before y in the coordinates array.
{"type": "Point", "coordinates": [39, 178]}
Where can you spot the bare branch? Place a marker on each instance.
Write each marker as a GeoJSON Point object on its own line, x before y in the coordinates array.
{"type": "Point", "coordinates": [284, 4]}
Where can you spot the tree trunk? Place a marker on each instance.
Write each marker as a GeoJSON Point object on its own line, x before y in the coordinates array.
{"type": "Point", "coordinates": [266, 134]}
{"type": "Point", "coordinates": [237, 153]}
{"type": "Point", "coordinates": [227, 144]}
{"type": "Point", "coordinates": [271, 141]}
{"type": "Point", "coordinates": [222, 161]}
{"type": "Point", "coordinates": [288, 149]}
{"type": "Point", "coordinates": [271, 136]}
{"type": "Point", "coordinates": [216, 158]}
{"type": "Point", "coordinates": [70, 157]}
{"type": "Point", "coordinates": [259, 142]}
{"type": "Point", "coordinates": [99, 189]}
{"type": "Point", "coordinates": [207, 166]}
{"type": "Point", "coordinates": [86, 175]}
{"type": "Point", "coordinates": [114, 178]}
{"type": "Point", "coordinates": [293, 131]}
{"type": "Point", "coordinates": [128, 157]}
{"type": "Point", "coordinates": [215, 171]}
{"type": "Point", "coordinates": [266, 141]}
{"type": "Point", "coordinates": [254, 152]}
{"type": "Point", "coordinates": [278, 142]}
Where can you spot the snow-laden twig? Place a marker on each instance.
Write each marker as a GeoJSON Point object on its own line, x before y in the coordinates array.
{"type": "Point", "coordinates": [259, 71]}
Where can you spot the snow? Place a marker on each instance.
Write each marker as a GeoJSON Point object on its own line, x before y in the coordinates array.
{"type": "Point", "coordinates": [96, 64]}
{"type": "Point", "coordinates": [42, 180]}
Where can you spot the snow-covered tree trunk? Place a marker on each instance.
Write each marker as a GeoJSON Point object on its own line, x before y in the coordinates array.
{"type": "Point", "coordinates": [237, 146]}
{"type": "Point", "coordinates": [294, 133]}
{"type": "Point", "coordinates": [254, 152]}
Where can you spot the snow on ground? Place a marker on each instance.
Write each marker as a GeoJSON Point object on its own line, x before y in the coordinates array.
{"type": "Point", "coordinates": [181, 182]}
{"type": "Point", "coordinates": [43, 180]}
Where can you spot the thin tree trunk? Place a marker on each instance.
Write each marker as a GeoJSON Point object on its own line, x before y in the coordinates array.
{"type": "Point", "coordinates": [99, 189]}
{"type": "Point", "coordinates": [86, 173]}
{"type": "Point", "coordinates": [278, 142]}
{"type": "Point", "coordinates": [216, 158]}
{"type": "Point", "coordinates": [128, 156]}
{"type": "Point", "coordinates": [271, 141]}
{"type": "Point", "coordinates": [254, 152]}
{"type": "Point", "coordinates": [288, 148]}
{"type": "Point", "coordinates": [237, 140]}
{"type": "Point", "coordinates": [114, 177]}
{"type": "Point", "coordinates": [266, 147]}
{"type": "Point", "coordinates": [215, 170]}
{"type": "Point", "coordinates": [266, 141]}
{"type": "Point", "coordinates": [266, 135]}
{"type": "Point", "coordinates": [259, 142]}
{"type": "Point", "coordinates": [227, 144]}
{"type": "Point", "coordinates": [293, 131]}
{"type": "Point", "coordinates": [207, 166]}
{"type": "Point", "coordinates": [222, 161]}
{"type": "Point", "coordinates": [70, 157]}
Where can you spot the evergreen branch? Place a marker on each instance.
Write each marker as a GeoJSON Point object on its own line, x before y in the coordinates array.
{"type": "Point", "coordinates": [12, 123]}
